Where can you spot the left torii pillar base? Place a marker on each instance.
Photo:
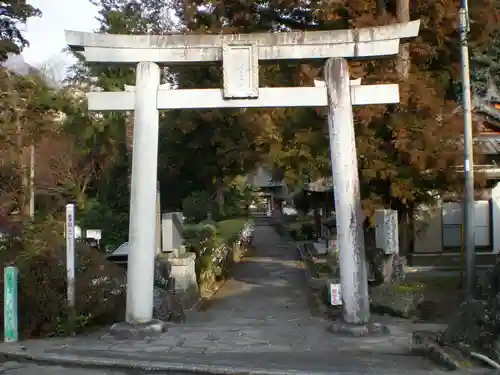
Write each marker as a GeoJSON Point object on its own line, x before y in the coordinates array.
{"type": "Point", "coordinates": [127, 331]}
{"type": "Point", "coordinates": [341, 328]}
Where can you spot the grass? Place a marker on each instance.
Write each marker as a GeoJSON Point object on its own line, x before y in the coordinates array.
{"type": "Point", "coordinates": [297, 225]}
{"type": "Point", "coordinates": [322, 269]}
{"type": "Point", "coordinates": [436, 283]}
{"type": "Point", "coordinates": [407, 287]}
{"type": "Point", "coordinates": [442, 296]}
{"type": "Point", "coordinates": [226, 229]}
{"type": "Point", "coordinates": [292, 227]}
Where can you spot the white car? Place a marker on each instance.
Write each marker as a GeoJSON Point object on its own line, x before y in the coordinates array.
{"type": "Point", "coordinates": [289, 211]}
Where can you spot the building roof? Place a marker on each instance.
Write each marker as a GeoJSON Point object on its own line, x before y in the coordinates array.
{"type": "Point", "coordinates": [486, 120]}
{"type": "Point", "coordinates": [489, 112]}
{"type": "Point", "coordinates": [321, 185]}
{"type": "Point", "coordinates": [488, 144]}
{"type": "Point", "coordinates": [263, 178]}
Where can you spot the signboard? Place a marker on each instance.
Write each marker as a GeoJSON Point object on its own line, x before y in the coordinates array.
{"type": "Point", "coordinates": [70, 253]}
{"type": "Point", "coordinates": [78, 232]}
{"type": "Point", "coordinates": [11, 277]}
{"type": "Point", "coordinates": [335, 294]}
{"type": "Point", "coordinates": [94, 233]}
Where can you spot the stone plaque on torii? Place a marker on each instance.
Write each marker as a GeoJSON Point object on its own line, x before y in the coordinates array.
{"type": "Point", "coordinates": [240, 55]}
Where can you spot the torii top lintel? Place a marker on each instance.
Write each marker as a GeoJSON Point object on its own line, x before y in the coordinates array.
{"type": "Point", "coordinates": [184, 48]}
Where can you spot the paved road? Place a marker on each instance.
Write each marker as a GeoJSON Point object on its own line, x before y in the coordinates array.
{"type": "Point", "coordinates": [16, 368]}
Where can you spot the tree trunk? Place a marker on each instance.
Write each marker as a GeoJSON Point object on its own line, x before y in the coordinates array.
{"type": "Point", "coordinates": [403, 63]}
{"type": "Point", "coordinates": [24, 171]}
{"type": "Point", "coordinates": [317, 222]}
{"type": "Point", "coordinates": [407, 232]}
{"type": "Point", "coordinates": [80, 199]}
{"type": "Point", "coordinates": [381, 8]}
{"type": "Point", "coordinates": [25, 182]}
{"type": "Point", "coordinates": [32, 181]}
{"type": "Point", "coordinates": [219, 197]}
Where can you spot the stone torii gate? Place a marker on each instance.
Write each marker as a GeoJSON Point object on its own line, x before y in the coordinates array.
{"type": "Point", "coordinates": [240, 55]}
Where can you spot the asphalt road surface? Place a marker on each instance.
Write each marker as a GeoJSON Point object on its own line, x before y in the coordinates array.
{"type": "Point", "coordinates": [17, 368]}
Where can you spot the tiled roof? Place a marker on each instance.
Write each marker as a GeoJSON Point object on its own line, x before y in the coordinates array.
{"type": "Point", "coordinates": [488, 113]}
{"type": "Point", "coordinates": [320, 185]}
{"type": "Point", "coordinates": [263, 178]}
{"type": "Point", "coordinates": [488, 144]}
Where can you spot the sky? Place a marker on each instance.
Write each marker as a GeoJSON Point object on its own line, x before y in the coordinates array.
{"type": "Point", "coordinates": [46, 34]}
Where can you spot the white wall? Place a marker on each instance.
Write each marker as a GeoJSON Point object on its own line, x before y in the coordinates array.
{"type": "Point", "coordinates": [495, 212]}
{"type": "Point", "coordinates": [452, 221]}
{"type": "Point", "coordinates": [440, 226]}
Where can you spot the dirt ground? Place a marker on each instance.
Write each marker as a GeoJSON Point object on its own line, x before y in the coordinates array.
{"type": "Point", "coordinates": [442, 297]}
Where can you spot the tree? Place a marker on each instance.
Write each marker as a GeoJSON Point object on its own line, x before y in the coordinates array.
{"type": "Point", "coordinates": [54, 70]}
{"type": "Point", "coordinates": [405, 151]}
{"type": "Point", "coordinates": [485, 70]}
{"type": "Point", "coordinates": [78, 156]}
{"type": "Point", "coordinates": [123, 17]}
{"type": "Point", "coordinates": [416, 142]}
{"type": "Point", "coordinates": [282, 138]}
{"type": "Point", "coordinates": [28, 111]}
{"type": "Point", "coordinates": [12, 13]}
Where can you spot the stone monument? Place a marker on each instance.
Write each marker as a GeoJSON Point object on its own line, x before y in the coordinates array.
{"type": "Point", "coordinates": [171, 231]}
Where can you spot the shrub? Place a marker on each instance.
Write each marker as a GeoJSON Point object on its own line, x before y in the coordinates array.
{"type": "Point", "coordinates": [296, 230]}
{"type": "Point", "coordinates": [228, 230]}
{"type": "Point", "coordinates": [197, 205]}
{"type": "Point", "coordinates": [239, 197]}
{"type": "Point", "coordinates": [114, 224]}
{"type": "Point", "coordinates": [307, 231]}
{"type": "Point", "coordinates": [213, 244]}
{"type": "Point", "coordinates": [302, 201]}
{"type": "Point", "coordinates": [40, 256]}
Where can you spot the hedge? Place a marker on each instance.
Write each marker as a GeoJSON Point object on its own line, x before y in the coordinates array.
{"type": "Point", "coordinates": [38, 252]}
{"type": "Point", "coordinates": [217, 247]}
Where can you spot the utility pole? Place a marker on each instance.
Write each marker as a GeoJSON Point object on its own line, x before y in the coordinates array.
{"type": "Point", "coordinates": [468, 203]}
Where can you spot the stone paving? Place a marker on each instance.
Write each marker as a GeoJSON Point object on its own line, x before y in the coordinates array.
{"type": "Point", "coordinates": [260, 317]}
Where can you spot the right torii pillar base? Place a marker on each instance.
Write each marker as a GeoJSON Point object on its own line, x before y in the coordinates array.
{"type": "Point", "coordinates": [358, 330]}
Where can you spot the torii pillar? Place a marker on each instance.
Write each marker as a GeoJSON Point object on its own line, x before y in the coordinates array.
{"type": "Point", "coordinates": [143, 196]}
{"type": "Point", "coordinates": [349, 214]}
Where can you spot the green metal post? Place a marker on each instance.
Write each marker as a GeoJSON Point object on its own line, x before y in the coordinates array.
{"type": "Point", "coordinates": [11, 328]}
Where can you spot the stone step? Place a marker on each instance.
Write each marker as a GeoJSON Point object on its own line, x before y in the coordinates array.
{"type": "Point", "coordinates": [450, 260]}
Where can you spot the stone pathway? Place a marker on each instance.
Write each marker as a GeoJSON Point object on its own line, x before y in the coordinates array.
{"type": "Point", "coordinates": [262, 307]}
{"type": "Point", "coordinates": [266, 292]}
{"type": "Point", "coordinates": [260, 317]}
